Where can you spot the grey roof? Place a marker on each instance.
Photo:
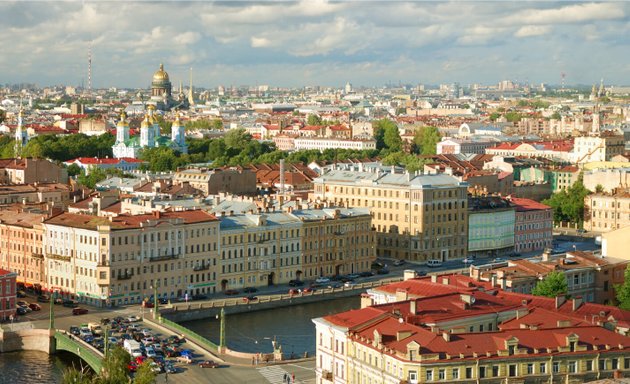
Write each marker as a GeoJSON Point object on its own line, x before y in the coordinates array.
{"type": "Point", "coordinates": [388, 179]}
{"type": "Point", "coordinates": [329, 213]}
{"type": "Point", "coordinates": [251, 220]}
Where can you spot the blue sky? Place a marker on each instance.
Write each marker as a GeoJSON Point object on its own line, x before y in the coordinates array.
{"type": "Point", "coordinates": [315, 42]}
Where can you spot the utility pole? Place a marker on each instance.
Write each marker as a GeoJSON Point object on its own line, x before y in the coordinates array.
{"type": "Point", "coordinates": [155, 303]}
{"type": "Point", "coordinates": [222, 332]}
{"type": "Point", "coordinates": [51, 325]}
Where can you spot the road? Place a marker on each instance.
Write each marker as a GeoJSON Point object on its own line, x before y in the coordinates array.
{"type": "Point", "coordinates": [189, 374]}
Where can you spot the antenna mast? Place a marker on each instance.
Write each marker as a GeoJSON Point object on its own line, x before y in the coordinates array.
{"type": "Point", "coordinates": [90, 69]}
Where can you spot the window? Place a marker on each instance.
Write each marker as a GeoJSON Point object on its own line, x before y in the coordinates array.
{"type": "Point", "coordinates": [495, 370]}
{"type": "Point", "coordinates": [442, 374]}
{"type": "Point", "coordinates": [530, 369]}
{"type": "Point", "coordinates": [468, 372]}
{"type": "Point", "coordinates": [626, 363]}
{"type": "Point", "coordinates": [512, 371]}
{"type": "Point", "coordinates": [429, 375]}
{"type": "Point", "coordinates": [615, 363]}
{"type": "Point", "coordinates": [556, 367]}
{"type": "Point", "coordinates": [413, 375]}
{"type": "Point", "coordinates": [482, 372]}
{"type": "Point", "coordinates": [455, 373]}
{"type": "Point", "coordinates": [589, 365]}
{"type": "Point", "coordinates": [572, 367]}
{"type": "Point", "coordinates": [602, 364]}
{"type": "Point", "coordinates": [542, 368]}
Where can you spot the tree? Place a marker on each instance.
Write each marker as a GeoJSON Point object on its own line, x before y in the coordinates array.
{"type": "Point", "coordinates": [144, 374]}
{"type": "Point", "coordinates": [391, 138]}
{"type": "Point", "coordinates": [623, 291]}
{"type": "Point", "coordinates": [90, 180]}
{"type": "Point", "coordinates": [237, 138]}
{"type": "Point", "coordinates": [554, 284]}
{"type": "Point", "coordinates": [380, 128]}
{"type": "Point", "coordinates": [314, 120]}
{"type": "Point", "coordinates": [72, 375]}
{"type": "Point", "coordinates": [599, 188]}
{"type": "Point", "coordinates": [115, 369]}
{"type": "Point", "coordinates": [426, 139]}
{"type": "Point", "coordinates": [73, 170]}
{"type": "Point", "coordinates": [568, 205]}
{"type": "Point", "coordinates": [556, 116]}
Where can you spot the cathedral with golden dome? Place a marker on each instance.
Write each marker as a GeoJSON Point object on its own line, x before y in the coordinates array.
{"type": "Point", "coordinates": [161, 85]}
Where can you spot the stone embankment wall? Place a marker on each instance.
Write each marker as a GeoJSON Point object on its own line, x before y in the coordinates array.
{"type": "Point", "coordinates": [26, 340]}
{"type": "Point", "coordinates": [181, 312]}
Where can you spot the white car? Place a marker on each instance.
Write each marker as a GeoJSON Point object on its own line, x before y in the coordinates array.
{"type": "Point", "coordinates": [133, 319]}
{"type": "Point", "coordinates": [322, 280]}
{"type": "Point", "coordinates": [468, 260]}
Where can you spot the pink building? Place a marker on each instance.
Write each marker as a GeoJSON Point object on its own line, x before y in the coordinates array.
{"type": "Point", "coordinates": [533, 225]}
{"type": "Point", "coordinates": [7, 294]}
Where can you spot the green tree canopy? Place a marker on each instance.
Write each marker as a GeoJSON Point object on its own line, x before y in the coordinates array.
{"type": "Point", "coordinates": [237, 138]}
{"type": "Point", "coordinates": [622, 291]}
{"type": "Point", "coordinates": [144, 374]}
{"type": "Point", "coordinates": [314, 120]}
{"type": "Point", "coordinates": [74, 170]}
{"type": "Point", "coordinates": [386, 135]}
{"type": "Point", "coordinates": [90, 180]}
{"type": "Point", "coordinates": [568, 205]}
{"type": "Point", "coordinates": [554, 284]}
{"type": "Point", "coordinates": [425, 140]}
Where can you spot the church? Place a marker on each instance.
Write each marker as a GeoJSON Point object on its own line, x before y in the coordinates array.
{"type": "Point", "coordinates": [150, 136]}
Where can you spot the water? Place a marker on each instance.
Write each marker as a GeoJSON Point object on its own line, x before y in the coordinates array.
{"type": "Point", "coordinates": [30, 367]}
{"type": "Point", "coordinates": [290, 326]}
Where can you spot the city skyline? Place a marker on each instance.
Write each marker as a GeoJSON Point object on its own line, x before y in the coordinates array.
{"type": "Point", "coordinates": [314, 42]}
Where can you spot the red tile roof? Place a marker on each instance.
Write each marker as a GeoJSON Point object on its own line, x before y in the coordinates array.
{"type": "Point", "coordinates": [128, 221]}
{"type": "Point", "coordinates": [523, 205]}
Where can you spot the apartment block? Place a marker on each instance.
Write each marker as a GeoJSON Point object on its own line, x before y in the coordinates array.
{"type": "Point", "coordinates": [533, 225]}
{"type": "Point", "coordinates": [321, 144]}
{"type": "Point", "coordinates": [214, 181]}
{"type": "Point", "coordinates": [455, 330]}
{"type": "Point", "coordinates": [259, 249]}
{"type": "Point", "coordinates": [118, 260]}
{"type": "Point", "coordinates": [609, 180]}
{"type": "Point", "coordinates": [597, 148]}
{"type": "Point", "coordinates": [29, 171]}
{"type": "Point", "coordinates": [21, 252]}
{"type": "Point", "coordinates": [416, 216]}
{"type": "Point", "coordinates": [604, 212]}
{"type": "Point", "coordinates": [491, 222]}
{"type": "Point", "coordinates": [7, 294]}
{"type": "Point", "coordinates": [336, 241]}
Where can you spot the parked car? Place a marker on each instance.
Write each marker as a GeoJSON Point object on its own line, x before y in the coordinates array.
{"type": "Point", "coordinates": [294, 291]}
{"type": "Point", "coordinates": [74, 330]}
{"type": "Point", "coordinates": [353, 276]}
{"type": "Point", "coordinates": [150, 352]}
{"type": "Point", "coordinates": [334, 285]}
{"type": "Point", "coordinates": [250, 298]}
{"type": "Point", "coordinates": [186, 359]}
{"type": "Point", "coordinates": [58, 301]}
{"type": "Point", "coordinates": [79, 311]}
{"type": "Point", "coordinates": [169, 367]}
{"type": "Point", "coordinates": [366, 274]}
{"type": "Point", "coordinates": [71, 303]}
{"type": "Point", "coordinates": [308, 290]}
{"type": "Point", "coordinates": [22, 303]}
{"type": "Point", "coordinates": [468, 260]}
{"type": "Point", "coordinates": [250, 290]}
{"type": "Point", "coordinates": [349, 284]}
{"type": "Point", "coordinates": [296, 283]}
{"type": "Point", "coordinates": [163, 300]}
{"type": "Point", "coordinates": [43, 298]}
{"type": "Point", "coordinates": [383, 271]}
{"type": "Point", "coordinates": [421, 273]}
{"type": "Point", "coordinates": [199, 296]}
{"type": "Point", "coordinates": [148, 304]}
{"type": "Point", "coordinates": [208, 364]}
{"type": "Point", "coordinates": [231, 292]}
{"type": "Point", "coordinates": [133, 319]}
{"type": "Point", "coordinates": [21, 311]}
{"type": "Point", "coordinates": [399, 262]}
{"type": "Point", "coordinates": [322, 280]}
{"type": "Point", "coordinates": [20, 294]}
{"type": "Point", "coordinates": [35, 307]}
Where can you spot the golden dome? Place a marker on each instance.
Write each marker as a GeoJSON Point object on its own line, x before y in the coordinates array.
{"type": "Point", "coordinates": [160, 75]}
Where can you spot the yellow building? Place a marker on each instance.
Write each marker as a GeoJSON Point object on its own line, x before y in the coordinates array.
{"type": "Point", "coordinates": [259, 249]}
{"type": "Point", "coordinates": [124, 259]}
{"type": "Point", "coordinates": [416, 217]}
{"type": "Point", "coordinates": [336, 241]}
{"type": "Point", "coordinates": [604, 212]}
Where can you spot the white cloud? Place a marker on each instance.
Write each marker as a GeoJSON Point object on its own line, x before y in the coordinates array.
{"type": "Point", "coordinates": [260, 42]}
{"type": "Point", "coordinates": [568, 14]}
{"type": "Point", "coordinates": [532, 30]}
{"type": "Point", "coordinates": [187, 38]}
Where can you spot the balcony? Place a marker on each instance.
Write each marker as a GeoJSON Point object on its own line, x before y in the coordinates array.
{"type": "Point", "coordinates": [37, 256]}
{"type": "Point", "coordinates": [58, 257]}
{"type": "Point", "coordinates": [201, 267]}
{"type": "Point", "coordinates": [125, 276]}
{"type": "Point", "coordinates": [163, 257]}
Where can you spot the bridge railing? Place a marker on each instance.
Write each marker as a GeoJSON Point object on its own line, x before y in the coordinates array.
{"type": "Point", "coordinates": [67, 342]}
{"type": "Point", "coordinates": [191, 335]}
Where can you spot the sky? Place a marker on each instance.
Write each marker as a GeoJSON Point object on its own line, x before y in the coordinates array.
{"type": "Point", "coordinates": [314, 42]}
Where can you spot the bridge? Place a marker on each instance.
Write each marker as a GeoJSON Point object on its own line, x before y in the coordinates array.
{"type": "Point", "coordinates": [67, 342]}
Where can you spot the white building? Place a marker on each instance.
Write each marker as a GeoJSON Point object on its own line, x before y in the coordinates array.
{"type": "Point", "coordinates": [597, 148]}
{"type": "Point", "coordinates": [322, 144]}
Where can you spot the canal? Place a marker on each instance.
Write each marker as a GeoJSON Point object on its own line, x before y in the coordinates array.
{"type": "Point", "coordinates": [290, 326]}
{"type": "Point", "coordinates": [34, 367]}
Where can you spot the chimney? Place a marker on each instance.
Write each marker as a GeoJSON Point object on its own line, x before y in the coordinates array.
{"type": "Point", "coordinates": [577, 301]}
{"type": "Point", "coordinates": [157, 214]}
{"type": "Point", "coordinates": [366, 301]}
{"type": "Point", "coordinates": [560, 299]}
{"type": "Point", "coordinates": [434, 278]}
{"type": "Point", "coordinates": [493, 280]}
{"type": "Point", "coordinates": [447, 336]}
{"type": "Point", "coordinates": [231, 213]}
{"type": "Point", "coordinates": [412, 307]}
{"type": "Point", "coordinates": [401, 295]}
{"type": "Point", "coordinates": [445, 280]}
{"type": "Point", "coordinates": [409, 274]}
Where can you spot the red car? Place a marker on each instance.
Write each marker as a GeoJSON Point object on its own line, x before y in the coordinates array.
{"type": "Point", "coordinates": [231, 292]}
{"type": "Point", "coordinates": [208, 364]}
{"type": "Point", "coordinates": [79, 311]}
{"type": "Point", "coordinates": [132, 366]}
{"type": "Point", "coordinates": [35, 307]}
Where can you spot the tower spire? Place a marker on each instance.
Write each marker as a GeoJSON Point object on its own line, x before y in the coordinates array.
{"type": "Point", "coordinates": [89, 90]}
{"type": "Point", "coordinates": [191, 99]}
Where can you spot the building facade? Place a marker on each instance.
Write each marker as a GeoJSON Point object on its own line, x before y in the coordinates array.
{"type": "Point", "coordinates": [491, 222]}
{"type": "Point", "coordinates": [302, 143]}
{"type": "Point", "coordinates": [121, 260]}
{"type": "Point", "coordinates": [597, 148]}
{"type": "Point", "coordinates": [416, 217]}
{"type": "Point", "coordinates": [533, 225]}
{"type": "Point", "coordinates": [7, 294]}
{"type": "Point", "coordinates": [215, 181]}
{"type": "Point", "coordinates": [336, 241]}
{"type": "Point", "coordinates": [603, 212]}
